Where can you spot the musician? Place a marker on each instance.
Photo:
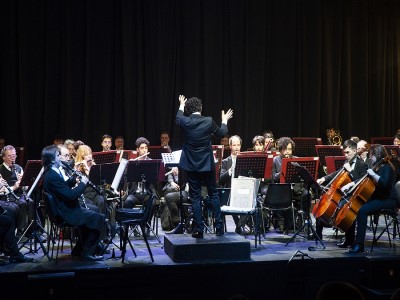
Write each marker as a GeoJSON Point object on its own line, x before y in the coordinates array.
{"type": "Point", "coordinates": [286, 147]}
{"type": "Point", "coordinates": [357, 168]}
{"type": "Point", "coordinates": [66, 172]}
{"type": "Point", "coordinates": [106, 142]}
{"type": "Point", "coordinates": [119, 142]}
{"type": "Point", "coordinates": [13, 199]}
{"type": "Point", "coordinates": [165, 139]}
{"type": "Point", "coordinates": [172, 195]}
{"type": "Point", "coordinates": [68, 208]}
{"type": "Point", "coordinates": [258, 143]}
{"type": "Point", "coordinates": [227, 171]}
{"type": "Point", "coordinates": [396, 140]}
{"type": "Point", "coordinates": [83, 163]}
{"type": "Point", "coordinates": [362, 151]}
{"type": "Point", "coordinates": [138, 194]}
{"type": "Point", "coordinates": [269, 141]}
{"type": "Point", "coordinates": [69, 143]}
{"type": "Point", "coordinates": [384, 196]}
{"type": "Point", "coordinates": [8, 240]}
{"type": "Point", "coordinates": [197, 158]}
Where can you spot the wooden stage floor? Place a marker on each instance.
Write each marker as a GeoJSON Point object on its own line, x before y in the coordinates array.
{"type": "Point", "coordinates": [274, 271]}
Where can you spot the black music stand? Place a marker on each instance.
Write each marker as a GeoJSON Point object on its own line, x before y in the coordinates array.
{"type": "Point", "coordinates": [310, 182]}
{"type": "Point", "coordinates": [105, 157]}
{"type": "Point", "coordinates": [32, 174]}
{"type": "Point", "coordinates": [305, 146]}
{"type": "Point", "coordinates": [146, 172]}
{"type": "Point", "coordinates": [155, 152]}
{"type": "Point", "coordinates": [250, 165]}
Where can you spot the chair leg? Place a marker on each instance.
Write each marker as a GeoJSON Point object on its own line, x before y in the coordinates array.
{"type": "Point", "coordinates": [142, 228]}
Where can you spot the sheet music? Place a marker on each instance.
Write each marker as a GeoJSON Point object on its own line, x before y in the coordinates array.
{"type": "Point", "coordinates": [243, 194]}
{"type": "Point", "coordinates": [118, 175]}
{"type": "Point", "coordinates": [172, 158]}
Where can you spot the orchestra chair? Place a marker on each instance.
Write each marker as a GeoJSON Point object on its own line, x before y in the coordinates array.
{"type": "Point", "coordinates": [248, 208]}
{"type": "Point", "coordinates": [278, 197]}
{"type": "Point", "coordinates": [142, 222]}
{"type": "Point", "coordinates": [388, 214]}
{"type": "Point", "coordinates": [58, 226]}
{"type": "Point", "coordinates": [391, 219]}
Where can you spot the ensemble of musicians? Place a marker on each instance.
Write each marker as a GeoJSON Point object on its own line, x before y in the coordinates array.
{"type": "Point", "coordinates": [365, 184]}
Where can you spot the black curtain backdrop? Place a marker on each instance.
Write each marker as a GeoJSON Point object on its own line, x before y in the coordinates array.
{"type": "Point", "coordinates": [86, 68]}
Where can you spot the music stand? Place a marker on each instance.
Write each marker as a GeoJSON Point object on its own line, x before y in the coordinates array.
{"type": "Point", "coordinates": [289, 173]}
{"type": "Point", "coordinates": [34, 172]}
{"type": "Point", "coordinates": [310, 182]}
{"type": "Point", "coordinates": [383, 140]}
{"type": "Point", "coordinates": [334, 163]}
{"type": "Point", "coordinates": [218, 151]}
{"type": "Point", "coordinates": [105, 157]}
{"type": "Point", "coordinates": [155, 152]}
{"type": "Point", "coordinates": [31, 172]}
{"type": "Point", "coordinates": [305, 146]}
{"type": "Point", "coordinates": [328, 150]}
{"type": "Point", "coordinates": [253, 165]}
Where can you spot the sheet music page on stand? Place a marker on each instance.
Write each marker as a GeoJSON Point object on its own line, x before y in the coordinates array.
{"type": "Point", "coordinates": [118, 175]}
{"type": "Point", "coordinates": [171, 158]}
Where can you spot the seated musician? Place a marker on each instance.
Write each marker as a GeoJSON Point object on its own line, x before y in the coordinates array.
{"type": "Point", "coordinates": [171, 192]}
{"type": "Point", "coordinates": [356, 169]}
{"type": "Point", "coordinates": [119, 142]}
{"type": "Point", "coordinates": [384, 196]}
{"type": "Point", "coordinates": [299, 193]}
{"type": "Point", "coordinates": [12, 195]}
{"type": "Point", "coordinates": [106, 142]}
{"type": "Point", "coordinates": [258, 143]}
{"type": "Point", "coordinates": [66, 193]}
{"type": "Point", "coordinates": [362, 151]}
{"type": "Point", "coordinates": [83, 163]}
{"type": "Point", "coordinates": [228, 172]}
{"type": "Point", "coordinates": [138, 194]}
{"type": "Point", "coordinates": [269, 141]}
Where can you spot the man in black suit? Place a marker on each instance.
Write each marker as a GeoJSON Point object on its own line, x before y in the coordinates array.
{"type": "Point", "coordinates": [356, 168]}
{"type": "Point", "coordinates": [198, 160]}
{"type": "Point", "coordinates": [68, 207]}
{"type": "Point", "coordinates": [228, 171]}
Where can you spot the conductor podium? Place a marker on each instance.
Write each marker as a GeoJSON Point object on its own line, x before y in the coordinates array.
{"type": "Point", "coordinates": [183, 247]}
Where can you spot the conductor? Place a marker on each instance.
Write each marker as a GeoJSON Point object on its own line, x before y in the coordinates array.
{"type": "Point", "coordinates": [197, 158]}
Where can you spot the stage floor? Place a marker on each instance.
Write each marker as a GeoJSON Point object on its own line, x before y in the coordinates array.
{"type": "Point", "coordinates": [274, 270]}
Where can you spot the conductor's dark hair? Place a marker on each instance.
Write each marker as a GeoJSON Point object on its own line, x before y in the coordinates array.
{"type": "Point", "coordinates": [283, 142]}
{"type": "Point", "coordinates": [141, 140]}
{"type": "Point", "coordinates": [193, 105]}
{"type": "Point", "coordinates": [49, 155]}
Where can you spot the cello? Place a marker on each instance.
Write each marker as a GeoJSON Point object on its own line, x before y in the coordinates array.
{"type": "Point", "coordinates": [329, 201]}
{"type": "Point", "coordinates": [355, 198]}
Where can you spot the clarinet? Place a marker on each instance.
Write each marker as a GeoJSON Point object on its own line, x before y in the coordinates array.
{"type": "Point", "coordinates": [80, 174]}
{"type": "Point", "coordinates": [9, 189]}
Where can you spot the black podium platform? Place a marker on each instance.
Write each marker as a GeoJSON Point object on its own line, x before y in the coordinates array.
{"type": "Point", "coordinates": [185, 248]}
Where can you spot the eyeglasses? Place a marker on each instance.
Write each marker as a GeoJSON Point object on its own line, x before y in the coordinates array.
{"type": "Point", "coordinates": [65, 155]}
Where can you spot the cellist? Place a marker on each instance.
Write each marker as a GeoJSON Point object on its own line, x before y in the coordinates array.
{"type": "Point", "coordinates": [356, 168]}
{"type": "Point", "coordinates": [383, 197]}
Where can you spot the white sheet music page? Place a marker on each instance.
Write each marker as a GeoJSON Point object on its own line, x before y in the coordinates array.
{"type": "Point", "coordinates": [171, 158]}
{"type": "Point", "coordinates": [118, 175]}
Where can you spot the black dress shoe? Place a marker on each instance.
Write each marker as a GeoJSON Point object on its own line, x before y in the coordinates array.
{"type": "Point", "coordinates": [101, 249]}
{"type": "Point", "coordinates": [346, 243]}
{"type": "Point", "coordinates": [20, 258]}
{"type": "Point", "coordinates": [357, 248]}
{"type": "Point", "coordinates": [219, 231]}
{"type": "Point", "coordinates": [90, 257]}
{"type": "Point", "coordinates": [197, 234]}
